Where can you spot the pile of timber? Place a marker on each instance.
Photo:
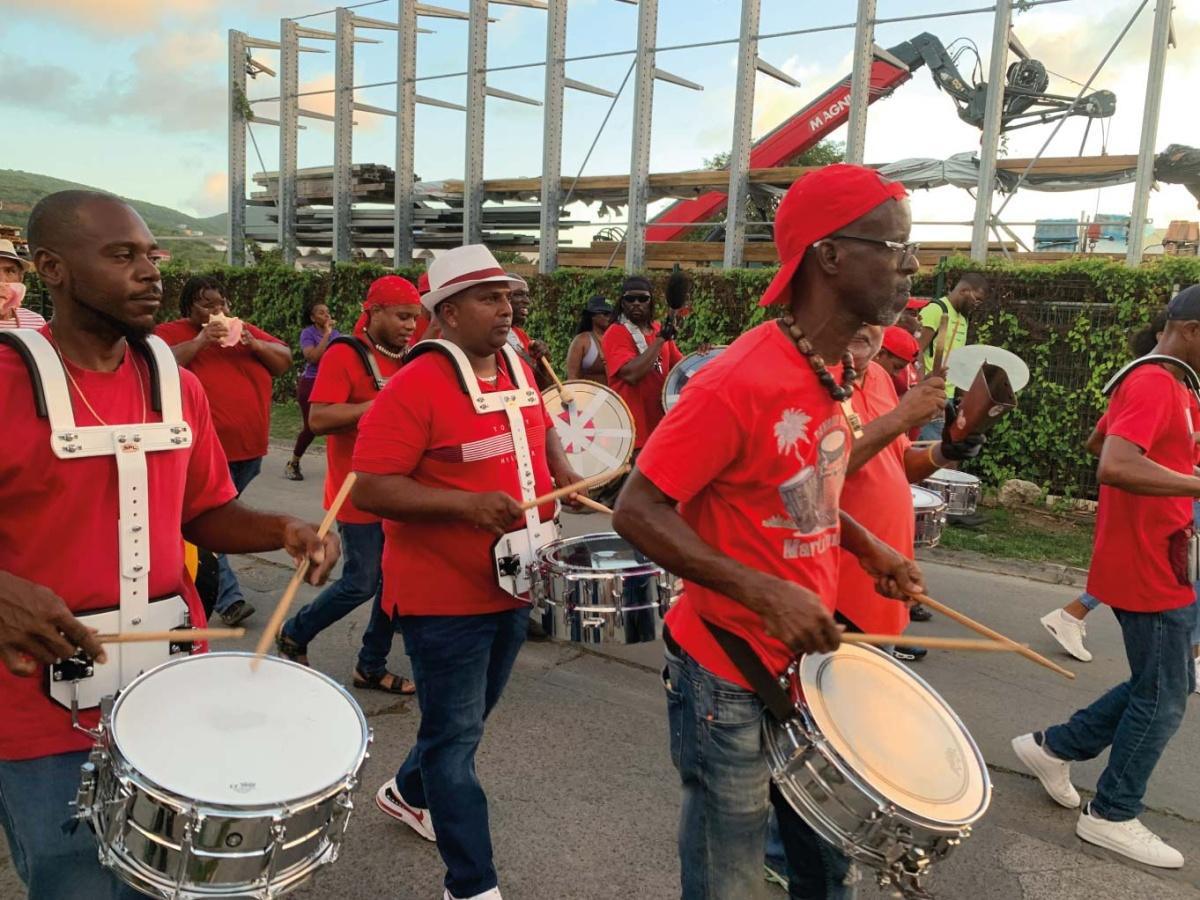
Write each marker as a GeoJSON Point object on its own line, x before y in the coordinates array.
{"type": "Point", "coordinates": [369, 183]}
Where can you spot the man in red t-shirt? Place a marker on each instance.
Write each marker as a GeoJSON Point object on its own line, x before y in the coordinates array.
{"type": "Point", "coordinates": [346, 385]}
{"type": "Point", "coordinates": [456, 435]}
{"type": "Point", "coordinates": [638, 355]}
{"type": "Point", "coordinates": [60, 556]}
{"type": "Point", "coordinates": [737, 492]}
{"type": "Point", "coordinates": [235, 363]}
{"type": "Point", "coordinates": [1140, 568]}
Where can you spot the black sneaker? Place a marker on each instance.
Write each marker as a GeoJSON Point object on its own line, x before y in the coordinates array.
{"type": "Point", "coordinates": [238, 612]}
{"type": "Point", "coordinates": [909, 654]}
{"type": "Point", "coordinates": [292, 471]}
{"type": "Point", "coordinates": [919, 613]}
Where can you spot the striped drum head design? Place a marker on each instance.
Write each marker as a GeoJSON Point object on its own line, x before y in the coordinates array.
{"type": "Point", "coordinates": [595, 428]}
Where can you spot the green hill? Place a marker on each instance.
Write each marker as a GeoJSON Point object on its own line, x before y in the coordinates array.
{"type": "Point", "coordinates": [19, 191]}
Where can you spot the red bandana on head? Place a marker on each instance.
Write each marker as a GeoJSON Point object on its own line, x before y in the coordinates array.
{"type": "Point", "coordinates": [390, 290]}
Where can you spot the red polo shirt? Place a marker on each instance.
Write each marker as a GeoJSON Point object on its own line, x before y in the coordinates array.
{"type": "Point", "coordinates": [59, 527]}
{"type": "Point", "coordinates": [879, 498]}
{"type": "Point", "coordinates": [755, 451]}
{"type": "Point", "coordinates": [342, 378]}
{"type": "Point", "coordinates": [644, 399]}
{"type": "Point", "coordinates": [1135, 533]}
{"type": "Point", "coordinates": [238, 387]}
{"type": "Point", "coordinates": [423, 425]}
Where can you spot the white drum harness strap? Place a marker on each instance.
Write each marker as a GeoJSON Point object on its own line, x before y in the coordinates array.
{"type": "Point", "coordinates": [514, 552]}
{"type": "Point", "coordinates": [639, 341]}
{"type": "Point", "coordinates": [80, 683]}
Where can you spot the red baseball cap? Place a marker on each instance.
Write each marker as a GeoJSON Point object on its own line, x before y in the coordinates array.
{"type": "Point", "coordinates": [391, 290]}
{"type": "Point", "coordinates": [900, 343]}
{"type": "Point", "coordinates": [816, 206]}
{"type": "Point", "coordinates": [917, 303]}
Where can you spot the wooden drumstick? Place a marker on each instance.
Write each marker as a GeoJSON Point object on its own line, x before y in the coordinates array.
{"type": "Point", "coordinates": [933, 643]}
{"type": "Point", "coordinates": [947, 346]}
{"type": "Point", "coordinates": [181, 634]}
{"type": "Point", "coordinates": [558, 494]}
{"type": "Point", "coordinates": [980, 628]}
{"type": "Point", "coordinates": [289, 594]}
{"type": "Point", "coordinates": [564, 393]}
{"type": "Point", "coordinates": [584, 500]}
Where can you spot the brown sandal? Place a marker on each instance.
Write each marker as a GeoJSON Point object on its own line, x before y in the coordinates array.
{"type": "Point", "coordinates": [398, 684]}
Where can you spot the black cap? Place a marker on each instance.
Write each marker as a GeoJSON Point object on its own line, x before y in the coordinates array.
{"type": "Point", "coordinates": [598, 304]}
{"type": "Point", "coordinates": [1185, 306]}
{"type": "Point", "coordinates": [636, 283]}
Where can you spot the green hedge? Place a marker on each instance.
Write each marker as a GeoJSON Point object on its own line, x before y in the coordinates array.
{"type": "Point", "coordinates": [1070, 321]}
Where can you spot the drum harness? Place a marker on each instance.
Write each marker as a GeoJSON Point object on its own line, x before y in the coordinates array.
{"type": "Point", "coordinates": [368, 358]}
{"type": "Point", "coordinates": [515, 551]}
{"type": "Point", "coordinates": [80, 683]}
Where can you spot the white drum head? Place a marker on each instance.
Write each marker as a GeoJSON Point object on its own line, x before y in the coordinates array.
{"type": "Point", "coordinates": [952, 476]}
{"type": "Point", "coordinates": [606, 551]}
{"type": "Point", "coordinates": [209, 729]}
{"type": "Point", "coordinates": [896, 733]}
{"type": "Point", "coordinates": [923, 499]}
{"type": "Point", "coordinates": [964, 363]}
{"type": "Point", "coordinates": [679, 376]}
{"type": "Point", "coordinates": [596, 428]}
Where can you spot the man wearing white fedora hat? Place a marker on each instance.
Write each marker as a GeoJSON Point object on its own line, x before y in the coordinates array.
{"type": "Point", "coordinates": [12, 272]}
{"type": "Point", "coordinates": [447, 447]}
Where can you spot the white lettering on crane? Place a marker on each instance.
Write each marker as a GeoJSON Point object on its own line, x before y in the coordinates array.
{"type": "Point", "coordinates": [825, 116]}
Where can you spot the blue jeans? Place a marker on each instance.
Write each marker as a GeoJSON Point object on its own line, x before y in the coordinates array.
{"type": "Point", "coordinates": [1136, 719]}
{"type": "Point", "coordinates": [460, 665]}
{"type": "Point", "coordinates": [242, 472]}
{"type": "Point", "coordinates": [932, 431]}
{"type": "Point", "coordinates": [717, 748]}
{"type": "Point", "coordinates": [1088, 602]}
{"type": "Point", "coordinates": [362, 580]}
{"type": "Point", "coordinates": [34, 798]}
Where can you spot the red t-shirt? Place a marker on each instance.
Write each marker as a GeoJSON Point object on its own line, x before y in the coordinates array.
{"type": "Point", "coordinates": [422, 425]}
{"type": "Point", "coordinates": [59, 527]}
{"type": "Point", "coordinates": [342, 378]}
{"type": "Point", "coordinates": [1131, 569]}
{"type": "Point", "coordinates": [238, 387]}
{"type": "Point", "coordinates": [878, 497]}
{"type": "Point", "coordinates": [755, 451]}
{"type": "Point", "coordinates": [644, 399]}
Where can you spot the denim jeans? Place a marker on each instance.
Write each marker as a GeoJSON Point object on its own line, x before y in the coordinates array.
{"type": "Point", "coordinates": [54, 864]}
{"type": "Point", "coordinates": [361, 580]}
{"type": "Point", "coordinates": [717, 748]}
{"type": "Point", "coordinates": [460, 665]}
{"type": "Point", "coordinates": [1088, 602]}
{"type": "Point", "coordinates": [242, 472]}
{"type": "Point", "coordinates": [1136, 718]}
{"type": "Point", "coordinates": [932, 431]}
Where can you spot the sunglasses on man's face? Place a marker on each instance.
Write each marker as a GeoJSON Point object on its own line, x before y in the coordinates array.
{"type": "Point", "coordinates": [636, 298]}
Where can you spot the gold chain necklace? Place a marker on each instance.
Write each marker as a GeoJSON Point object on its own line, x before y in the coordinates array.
{"type": "Point", "coordinates": [71, 378]}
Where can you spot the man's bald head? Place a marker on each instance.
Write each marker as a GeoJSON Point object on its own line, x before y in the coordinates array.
{"type": "Point", "coordinates": [57, 216]}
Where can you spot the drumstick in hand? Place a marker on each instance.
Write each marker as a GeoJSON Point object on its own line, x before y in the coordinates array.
{"type": "Point", "coordinates": [585, 500]}
{"type": "Point", "coordinates": [289, 594]}
{"type": "Point", "coordinates": [178, 635]}
{"type": "Point", "coordinates": [564, 392]}
{"type": "Point", "coordinates": [933, 643]}
{"type": "Point", "coordinates": [980, 628]}
{"type": "Point", "coordinates": [585, 484]}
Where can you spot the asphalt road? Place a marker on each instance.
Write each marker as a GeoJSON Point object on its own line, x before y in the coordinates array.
{"type": "Point", "coordinates": [583, 799]}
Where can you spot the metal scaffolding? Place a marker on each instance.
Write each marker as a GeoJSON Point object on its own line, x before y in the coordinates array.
{"type": "Point", "coordinates": [1150, 111]}
{"type": "Point", "coordinates": [990, 144]}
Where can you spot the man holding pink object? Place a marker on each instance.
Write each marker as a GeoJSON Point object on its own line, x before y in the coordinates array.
{"type": "Point", "coordinates": [12, 290]}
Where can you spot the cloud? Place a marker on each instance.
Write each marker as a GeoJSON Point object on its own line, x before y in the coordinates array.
{"type": "Point", "coordinates": [212, 196]}
{"type": "Point", "coordinates": [116, 16]}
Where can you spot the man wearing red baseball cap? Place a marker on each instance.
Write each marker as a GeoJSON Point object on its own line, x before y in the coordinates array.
{"type": "Point", "coordinates": [751, 522]}
{"type": "Point", "coordinates": [898, 357]}
{"type": "Point", "coordinates": [353, 371]}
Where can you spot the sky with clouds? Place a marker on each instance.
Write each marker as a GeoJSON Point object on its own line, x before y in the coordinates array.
{"type": "Point", "coordinates": [130, 95]}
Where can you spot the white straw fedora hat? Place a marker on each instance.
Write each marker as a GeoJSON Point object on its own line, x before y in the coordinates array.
{"type": "Point", "coordinates": [460, 268]}
{"type": "Point", "coordinates": [8, 251]}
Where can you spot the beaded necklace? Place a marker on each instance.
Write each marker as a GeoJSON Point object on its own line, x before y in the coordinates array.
{"type": "Point", "coordinates": [840, 393]}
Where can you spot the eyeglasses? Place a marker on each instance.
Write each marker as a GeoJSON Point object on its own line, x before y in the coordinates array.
{"type": "Point", "coordinates": [905, 250]}
{"type": "Point", "coordinates": [636, 298]}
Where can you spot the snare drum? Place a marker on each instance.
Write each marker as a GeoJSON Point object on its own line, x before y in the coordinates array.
{"type": "Point", "coordinates": [598, 589]}
{"type": "Point", "coordinates": [877, 763]}
{"type": "Point", "coordinates": [210, 780]}
{"type": "Point", "coordinates": [930, 511]}
{"type": "Point", "coordinates": [679, 376]}
{"type": "Point", "coordinates": [958, 489]}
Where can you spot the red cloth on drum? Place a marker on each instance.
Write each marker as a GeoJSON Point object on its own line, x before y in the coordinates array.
{"type": "Point", "coordinates": [238, 388]}
{"type": "Point", "coordinates": [644, 399]}
{"type": "Point", "coordinates": [1131, 569]}
{"type": "Point", "coordinates": [422, 425]}
{"type": "Point", "coordinates": [59, 527]}
{"type": "Point", "coordinates": [878, 497]}
{"type": "Point", "coordinates": [752, 421]}
{"type": "Point", "coordinates": [342, 378]}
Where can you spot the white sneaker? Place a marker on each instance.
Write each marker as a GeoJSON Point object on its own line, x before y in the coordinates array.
{"type": "Point", "coordinates": [1196, 689]}
{"type": "Point", "coordinates": [1069, 632]}
{"type": "Point", "coordinates": [388, 799]}
{"type": "Point", "coordinates": [1132, 839]}
{"type": "Point", "coordinates": [493, 894]}
{"type": "Point", "coordinates": [1053, 773]}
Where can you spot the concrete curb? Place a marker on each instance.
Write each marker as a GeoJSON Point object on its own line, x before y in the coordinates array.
{"type": "Point", "coordinates": [1049, 573]}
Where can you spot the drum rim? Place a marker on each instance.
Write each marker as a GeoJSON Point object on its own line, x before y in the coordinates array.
{"type": "Point", "coordinates": [935, 508]}
{"type": "Point", "coordinates": [125, 770]}
{"type": "Point", "coordinates": [715, 349]}
{"type": "Point", "coordinates": [956, 477]}
{"type": "Point", "coordinates": [574, 572]}
{"type": "Point", "coordinates": [827, 748]}
{"type": "Point", "coordinates": [604, 388]}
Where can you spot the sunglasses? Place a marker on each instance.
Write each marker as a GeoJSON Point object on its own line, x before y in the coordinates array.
{"type": "Point", "coordinates": [635, 298]}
